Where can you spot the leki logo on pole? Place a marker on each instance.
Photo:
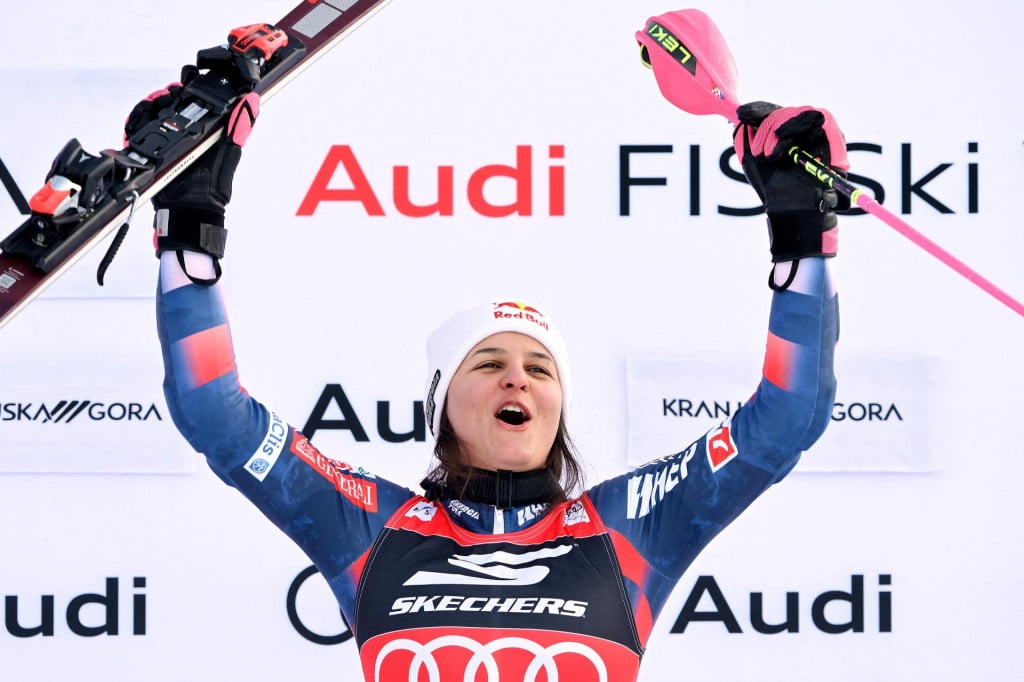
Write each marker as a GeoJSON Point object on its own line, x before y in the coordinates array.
{"type": "Point", "coordinates": [673, 45]}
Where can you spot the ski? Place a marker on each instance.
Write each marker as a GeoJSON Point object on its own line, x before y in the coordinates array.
{"type": "Point", "coordinates": [88, 196]}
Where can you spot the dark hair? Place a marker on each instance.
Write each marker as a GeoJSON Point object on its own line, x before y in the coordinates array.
{"type": "Point", "coordinates": [452, 472]}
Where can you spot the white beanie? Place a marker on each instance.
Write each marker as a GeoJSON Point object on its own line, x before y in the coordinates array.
{"type": "Point", "coordinates": [449, 344]}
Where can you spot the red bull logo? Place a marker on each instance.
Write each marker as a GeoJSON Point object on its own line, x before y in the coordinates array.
{"type": "Point", "coordinates": [520, 311]}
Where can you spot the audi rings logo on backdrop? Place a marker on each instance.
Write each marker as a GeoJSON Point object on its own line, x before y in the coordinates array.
{"type": "Point", "coordinates": [295, 618]}
{"type": "Point", "coordinates": [528, 655]}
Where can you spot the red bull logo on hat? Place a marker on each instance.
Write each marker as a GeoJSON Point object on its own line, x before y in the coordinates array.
{"type": "Point", "coordinates": [518, 310]}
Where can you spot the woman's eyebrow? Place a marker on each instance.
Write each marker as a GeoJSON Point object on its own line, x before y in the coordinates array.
{"type": "Point", "coordinates": [484, 351]}
{"type": "Point", "coordinates": [535, 354]}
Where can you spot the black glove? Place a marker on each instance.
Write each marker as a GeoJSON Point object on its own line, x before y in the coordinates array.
{"type": "Point", "coordinates": [190, 210]}
{"type": "Point", "coordinates": [801, 210]}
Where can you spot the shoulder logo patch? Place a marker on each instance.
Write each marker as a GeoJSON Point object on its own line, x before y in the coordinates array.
{"type": "Point", "coordinates": [720, 446]}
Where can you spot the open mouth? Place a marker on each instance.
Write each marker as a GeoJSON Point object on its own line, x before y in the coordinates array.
{"type": "Point", "coordinates": [512, 415]}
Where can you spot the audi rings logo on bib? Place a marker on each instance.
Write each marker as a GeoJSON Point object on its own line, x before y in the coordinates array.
{"type": "Point", "coordinates": [495, 656]}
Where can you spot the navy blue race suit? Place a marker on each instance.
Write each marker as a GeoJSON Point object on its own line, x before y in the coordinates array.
{"type": "Point", "coordinates": [452, 589]}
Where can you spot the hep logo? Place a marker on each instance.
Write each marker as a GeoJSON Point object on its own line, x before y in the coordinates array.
{"type": "Point", "coordinates": [481, 186]}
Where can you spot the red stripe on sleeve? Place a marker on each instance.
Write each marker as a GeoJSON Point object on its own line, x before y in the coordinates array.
{"type": "Point", "coordinates": [779, 359]}
{"type": "Point", "coordinates": [207, 355]}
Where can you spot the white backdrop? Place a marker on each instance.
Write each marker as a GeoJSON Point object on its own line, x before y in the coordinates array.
{"type": "Point", "coordinates": [922, 503]}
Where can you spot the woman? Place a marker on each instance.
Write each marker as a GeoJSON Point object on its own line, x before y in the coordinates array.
{"type": "Point", "coordinates": [499, 568]}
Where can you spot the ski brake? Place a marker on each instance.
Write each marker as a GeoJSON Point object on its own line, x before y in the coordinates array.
{"type": "Point", "coordinates": [84, 191]}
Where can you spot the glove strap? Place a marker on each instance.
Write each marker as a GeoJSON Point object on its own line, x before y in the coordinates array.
{"type": "Point", "coordinates": [185, 229]}
{"type": "Point", "coordinates": [190, 229]}
{"type": "Point", "coordinates": [773, 282]}
{"type": "Point", "coordinates": [801, 233]}
{"type": "Point", "coordinates": [180, 253]}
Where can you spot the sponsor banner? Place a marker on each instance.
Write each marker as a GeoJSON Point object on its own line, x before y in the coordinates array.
{"type": "Point", "coordinates": [87, 401]}
{"type": "Point", "coordinates": [881, 421]}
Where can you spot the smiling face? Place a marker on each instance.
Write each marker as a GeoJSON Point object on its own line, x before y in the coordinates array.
{"type": "Point", "coordinates": [504, 403]}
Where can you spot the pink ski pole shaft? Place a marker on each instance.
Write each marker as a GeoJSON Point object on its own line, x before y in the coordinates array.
{"type": "Point", "coordinates": [866, 202]}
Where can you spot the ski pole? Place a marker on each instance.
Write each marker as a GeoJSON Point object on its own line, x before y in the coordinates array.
{"type": "Point", "coordinates": [869, 204]}
{"type": "Point", "coordinates": [706, 84]}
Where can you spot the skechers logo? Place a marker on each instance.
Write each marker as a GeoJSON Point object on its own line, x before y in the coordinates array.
{"type": "Point", "coordinates": [495, 568]}
{"type": "Point", "coordinates": [452, 602]}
